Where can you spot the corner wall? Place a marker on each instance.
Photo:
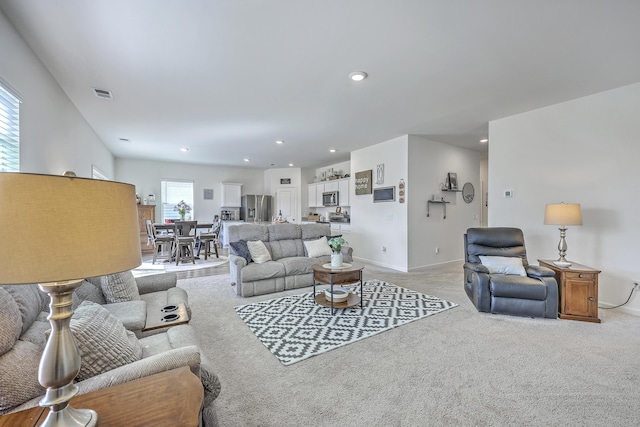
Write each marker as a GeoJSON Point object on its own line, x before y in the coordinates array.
{"type": "Point", "coordinates": [582, 151]}
{"type": "Point", "coordinates": [429, 163]}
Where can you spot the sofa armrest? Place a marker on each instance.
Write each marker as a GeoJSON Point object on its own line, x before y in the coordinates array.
{"type": "Point", "coordinates": [478, 268]}
{"type": "Point", "coordinates": [156, 282]}
{"type": "Point", "coordinates": [161, 362]}
{"type": "Point", "coordinates": [539, 271]}
{"type": "Point", "coordinates": [347, 251]}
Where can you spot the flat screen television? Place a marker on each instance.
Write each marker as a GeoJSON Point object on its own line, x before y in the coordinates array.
{"type": "Point", "coordinates": [384, 194]}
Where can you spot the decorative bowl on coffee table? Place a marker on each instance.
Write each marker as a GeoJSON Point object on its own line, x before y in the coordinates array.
{"type": "Point", "coordinates": [340, 294]}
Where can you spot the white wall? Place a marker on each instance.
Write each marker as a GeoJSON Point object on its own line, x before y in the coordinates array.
{"type": "Point", "coordinates": [374, 225]}
{"type": "Point", "coordinates": [54, 137]}
{"type": "Point", "coordinates": [147, 174]}
{"type": "Point", "coordinates": [583, 151]}
{"type": "Point", "coordinates": [429, 163]}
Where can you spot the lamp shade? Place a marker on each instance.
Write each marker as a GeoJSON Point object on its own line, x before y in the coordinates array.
{"type": "Point", "coordinates": [563, 214]}
{"type": "Point", "coordinates": [58, 228]}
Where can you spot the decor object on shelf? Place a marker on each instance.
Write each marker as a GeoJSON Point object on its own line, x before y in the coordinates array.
{"type": "Point", "coordinates": [363, 182]}
{"type": "Point", "coordinates": [452, 179]}
{"type": "Point", "coordinates": [85, 202]}
{"type": "Point", "coordinates": [182, 209]}
{"type": "Point", "coordinates": [468, 192]}
{"type": "Point", "coordinates": [380, 174]}
{"type": "Point", "coordinates": [339, 294]}
{"type": "Point", "coordinates": [336, 244]}
{"type": "Point", "coordinates": [563, 214]}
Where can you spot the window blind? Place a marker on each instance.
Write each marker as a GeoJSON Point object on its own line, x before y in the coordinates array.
{"type": "Point", "coordinates": [9, 132]}
{"type": "Point", "coordinates": [172, 193]}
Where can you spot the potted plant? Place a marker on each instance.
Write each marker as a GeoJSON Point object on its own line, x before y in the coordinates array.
{"type": "Point", "coordinates": [182, 209]}
{"type": "Point", "coordinates": [336, 243]}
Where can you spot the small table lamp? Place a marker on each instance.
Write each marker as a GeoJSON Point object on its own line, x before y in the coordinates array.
{"type": "Point", "coordinates": [92, 227]}
{"type": "Point", "coordinates": [563, 214]}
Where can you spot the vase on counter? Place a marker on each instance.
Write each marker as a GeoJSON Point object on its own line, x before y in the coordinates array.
{"type": "Point", "coordinates": [181, 217]}
{"type": "Point", "coordinates": [336, 259]}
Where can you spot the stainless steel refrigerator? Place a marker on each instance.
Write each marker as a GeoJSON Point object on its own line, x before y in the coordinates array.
{"type": "Point", "coordinates": [255, 208]}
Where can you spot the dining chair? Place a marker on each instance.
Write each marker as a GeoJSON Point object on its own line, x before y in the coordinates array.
{"type": "Point", "coordinates": [185, 241]}
{"type": "Point", "coordinates": [207, 238]}
{"type": "Point", "coordinates": [163, 243]}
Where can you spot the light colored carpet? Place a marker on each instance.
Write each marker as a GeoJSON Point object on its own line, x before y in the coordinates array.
{"type": "Point", "coordinates": [459, 368]}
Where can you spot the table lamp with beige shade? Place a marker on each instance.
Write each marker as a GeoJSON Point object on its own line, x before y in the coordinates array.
{"type": "Point", "coordinates": [73, 214]}
{"type": "Point", "coordinates": [563, 214]}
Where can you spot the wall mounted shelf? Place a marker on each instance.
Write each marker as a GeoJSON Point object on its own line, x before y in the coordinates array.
{"type": "Point", "coordinates": [438, 202]}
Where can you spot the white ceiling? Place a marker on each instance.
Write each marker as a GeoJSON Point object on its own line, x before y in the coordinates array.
{"type": "Point", "coordinates": [227, 78]}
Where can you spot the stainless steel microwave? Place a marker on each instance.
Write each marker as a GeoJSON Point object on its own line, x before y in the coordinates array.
{"type": "Point", "coordinates": [330, 198]}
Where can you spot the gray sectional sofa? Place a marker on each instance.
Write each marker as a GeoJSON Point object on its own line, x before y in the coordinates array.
{"type": "Point", "coordinates": [290, 265]}
{"type": "Point", "coordinates": [122, 355]}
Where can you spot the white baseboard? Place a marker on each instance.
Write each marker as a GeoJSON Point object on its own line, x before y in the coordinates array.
{"type": "Point", "coordinates": [628, 310]}
{"type": "Point", "coordinates": [380, 264]}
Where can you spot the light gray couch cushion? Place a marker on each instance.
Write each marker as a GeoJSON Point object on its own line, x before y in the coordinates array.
{"type": "Point", "coordinates": [286, 248]}
{"type": "Point", "coordinates": [284, 232]}
{"type": "Point", "coordinates": [103, 341]}
{"type": "Point", "coordinates": [298, 265]}
{"type": "Point", "coordinates": [37, 333]}
{"type": "Point", "coordinates": [31, 302]}
{"type": "Point", "coordinates": [248, 232]}
{"type": "Point", "coordinates": [19, 373]}
{"type": "Point", "coordinates": [87, 291]}
{"type": "Point", "coordinates": [314, 231]}
{"type": "Point", "coordinates": [10, 321]}
{"type": "Point", "coordinates": [132, 314]}
{"type": "Point", "coordinates": [119, 287]}
{"type": "Point", "coordinates": [268, 270]}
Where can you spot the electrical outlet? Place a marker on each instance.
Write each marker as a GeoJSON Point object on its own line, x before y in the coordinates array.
{"type": "Point", "coordinates": [437, 250]}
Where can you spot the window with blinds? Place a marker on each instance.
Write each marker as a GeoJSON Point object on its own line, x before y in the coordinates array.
{"type": "Point", "coordinates": [173, 192]}
{"type": "Point", "coordinates": [9, 131]}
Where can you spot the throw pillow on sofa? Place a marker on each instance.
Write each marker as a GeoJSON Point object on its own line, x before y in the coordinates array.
{"type": "Point", "coordinates": [103, 341]}
{"type": "Point", "coordinates": [19, 373]}
{"type": "Point", "coordinates": [119, 287]}
{"type": "Point", "coordinates": [317, 248]}
{"type": "Point", "coordinates": [259, 252]}
{"type": "Point", "coordinates": [503, 265]}
{"type": "Point", "coordinates": [240, 248]}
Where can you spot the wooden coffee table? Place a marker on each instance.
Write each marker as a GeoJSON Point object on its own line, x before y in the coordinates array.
{"type": "Point", "coordinates": [155, 318]}
{"type": "Point", "coordinates": [325, 275]}
{"type": "Point", "coordinates": [171, 398]}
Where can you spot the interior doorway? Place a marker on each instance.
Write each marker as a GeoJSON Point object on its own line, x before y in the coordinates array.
{"type": "Point", "coordinates": [286, 202]}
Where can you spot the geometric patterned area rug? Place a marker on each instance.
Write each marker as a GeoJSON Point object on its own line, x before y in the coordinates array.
{"type": "Point", "coordinates": [295, 328]}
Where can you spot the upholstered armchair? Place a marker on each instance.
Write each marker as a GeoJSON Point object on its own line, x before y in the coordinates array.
{"type": "Point", "coordinates": [498, 279]}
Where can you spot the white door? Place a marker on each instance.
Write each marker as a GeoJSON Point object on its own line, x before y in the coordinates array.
{"type": "Point", "coordinates": [286, 202]}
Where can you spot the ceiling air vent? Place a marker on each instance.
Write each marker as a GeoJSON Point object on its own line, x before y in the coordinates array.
{"type": "Point", "coordinates": [103, 93]}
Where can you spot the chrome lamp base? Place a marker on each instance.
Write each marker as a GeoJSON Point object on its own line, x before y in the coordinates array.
{"type": "Point", "coordinates": [562, 248]}
{"type": "Point", "coordinates": [60, 362]}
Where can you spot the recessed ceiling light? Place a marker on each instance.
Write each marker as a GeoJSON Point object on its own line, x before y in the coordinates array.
{"type": "Point", "coordinates": [484, 140]}
{"type": "Point", "coordinates": [332, 150]}
{"type": "Point", "coordinates": [246, 160]}
{"type": "Point", "coordinates": [290, 164]}
{"type": "Point", "coordinates": [184, 149]}
{"type": "Point", "coordinates": [357, 76]}
{"type": "Point", "coordinates": [279, 141]}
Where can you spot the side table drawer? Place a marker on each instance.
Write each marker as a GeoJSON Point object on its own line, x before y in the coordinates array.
{"type": "Point", "coordinates": [581, 276]}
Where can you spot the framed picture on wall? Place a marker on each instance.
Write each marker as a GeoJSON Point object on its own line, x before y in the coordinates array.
{"type": "Point", "coordinates": [453, 181]}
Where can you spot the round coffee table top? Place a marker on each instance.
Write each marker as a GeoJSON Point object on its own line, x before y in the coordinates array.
{"type": "Point", "coordinates": [346, 268]}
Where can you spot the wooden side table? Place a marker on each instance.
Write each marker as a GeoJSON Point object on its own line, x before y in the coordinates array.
{"type": "Point", "coordinates": [171, 398]}
{"type": "Point", "coordinates": [577, 291]}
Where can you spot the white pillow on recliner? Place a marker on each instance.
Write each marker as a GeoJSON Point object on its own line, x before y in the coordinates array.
{"type": "Point", "coordinates": [503, 265]}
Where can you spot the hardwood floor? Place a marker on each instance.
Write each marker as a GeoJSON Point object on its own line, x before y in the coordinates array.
{"type": "Point", "coordinates": [200, 272]}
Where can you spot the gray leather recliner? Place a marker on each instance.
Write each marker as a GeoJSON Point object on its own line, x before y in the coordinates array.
{"type": "Point", "coordinates": [533, 295]}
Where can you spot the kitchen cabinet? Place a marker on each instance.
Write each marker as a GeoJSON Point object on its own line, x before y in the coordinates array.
{"type": "Point", "coordinates": [145, 212]}
{"type": "Point", "coordinates": [331, 186]}
{"type": "Point", "coordinates": [343, 189]}
{"type": "Point", "coordinates": [319, 191]}
{"type": "Point", "coordinates": [231, 195]}
{"type": "Point", "coordinates": [313, 198]}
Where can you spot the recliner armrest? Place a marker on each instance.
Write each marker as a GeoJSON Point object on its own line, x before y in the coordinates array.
{"type": "Point", "coordinates": [478, 268]}
{"type": "Point", "coordinates": [156, 282]}
{"type": "Point", "coordinates": [539, 271]}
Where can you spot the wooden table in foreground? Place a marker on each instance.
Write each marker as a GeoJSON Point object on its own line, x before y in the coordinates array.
{"type": "Point", "coordinates": [168, 399]}
{"type": "Point", "coordinates": [577, 291]}
{"type": "Point", "coordinates": [352, 273]}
